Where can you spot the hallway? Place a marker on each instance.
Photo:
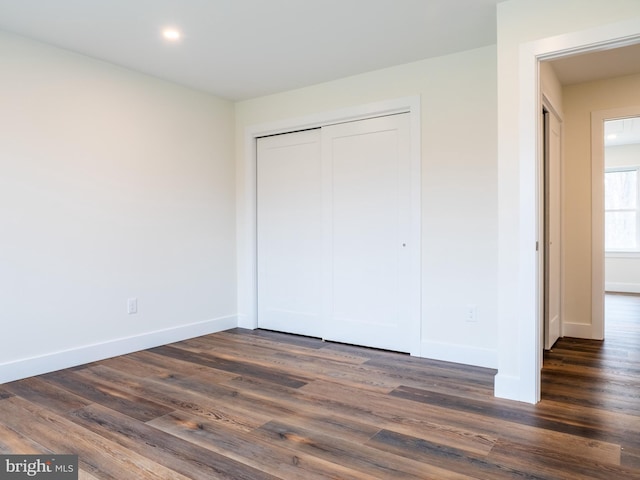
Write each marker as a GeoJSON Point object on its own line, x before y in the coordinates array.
{"type": "Point", "coordinates": [603, 377]}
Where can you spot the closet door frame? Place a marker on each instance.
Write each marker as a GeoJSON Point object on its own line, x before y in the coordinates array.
{"type": "Point", "coordinates": [247, 207]}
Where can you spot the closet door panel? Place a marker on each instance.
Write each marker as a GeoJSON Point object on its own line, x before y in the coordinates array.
{"type": "Point", "coordinates": [367, 207]}
{"type": "Point", "coordinates": [289, 237]}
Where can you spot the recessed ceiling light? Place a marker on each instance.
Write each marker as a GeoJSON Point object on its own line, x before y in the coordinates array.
{"type": "Point", "coordinates": [171, 34]}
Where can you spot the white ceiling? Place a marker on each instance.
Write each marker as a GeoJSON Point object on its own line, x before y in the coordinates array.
{"type": "Point", "coordinates": [239, 49]}
{"type": "Point", "coordinates": [600, 65]}
{"type": "Point", "coordinates": [588, 67]}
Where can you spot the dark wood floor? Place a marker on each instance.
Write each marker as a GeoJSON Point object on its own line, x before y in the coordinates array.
{"type": "Point", "coordinates": [261, 405]}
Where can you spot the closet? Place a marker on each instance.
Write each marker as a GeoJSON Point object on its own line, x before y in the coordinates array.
{"type": "Point", "coordinates": [333, 228]}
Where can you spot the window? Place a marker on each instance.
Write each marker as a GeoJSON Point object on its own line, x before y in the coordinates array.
{"type": "Point", "coordinates": [622, 209]}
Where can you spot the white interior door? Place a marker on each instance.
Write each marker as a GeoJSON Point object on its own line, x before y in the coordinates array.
{"type": "Point", "coordinates": [289, 236]}
{"type": "Point", "coordinates": [552, 230]}
{"type": "Point", "coordinates": [367, 214]}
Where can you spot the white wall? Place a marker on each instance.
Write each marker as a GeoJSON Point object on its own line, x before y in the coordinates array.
{"type": "Point", "coordinates": [551, 87]}
{"type": "Point", "coordinates": [459, 182]}
{"type": "Point", "coordinates": [527, 28]}
{"type": "Point", "coordinates": [622, 270]}
{"type": "Point", "coordinates": [113, 185]}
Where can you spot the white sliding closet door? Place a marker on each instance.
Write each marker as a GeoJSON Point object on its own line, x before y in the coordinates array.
{"type": "Point", "coordinates": [367, 214]}
{"type": "Point", "coordinates": [289, 233]}
{"type": "Point", "coordinates": [334, 224]}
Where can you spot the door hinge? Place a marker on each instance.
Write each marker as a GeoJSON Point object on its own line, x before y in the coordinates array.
{"type": "Point", "coordinates": [537, 246]}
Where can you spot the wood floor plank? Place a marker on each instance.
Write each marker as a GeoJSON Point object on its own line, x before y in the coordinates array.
{"type": "Point", "coordinates": [370, 461]}
{"type": "Point", "coordinates": [4, 393]}
{"type": "Point", "coordinates": [97, 455]}
{"type": "Point", "coordinates": [446, 458]}
{"type": "Point", "coordinates": [293, 340]}
{"type": "Point", "coordinates": [523, 416]}
{"type": "Point", "coordinates": [38, 391]}
{"type": "Point", "coordinates": [258, 405]}
{"type": "Point", "coordinates": [251, 449]}
{"type": "Point", "coordinates": [474, 432]}
{"type": "Point", "coordinates": [549, 463]}
{"type": "Point", "coordinates": [12, 441]}
{"type": "Point", "coordinates": [321, 368]}
{"type": "Point", "coordinates": [84, 475]}
{"type": "Point", "coordinates": [401, 415]}
{"type": "Point", "coordinates": [289, 403]}
{"type": "Point", "coordinates": [233, 366]}
{"type": "Point", "coordinates": [177, 393]}
{"type": "Point", "coordinates": [188, 459]}
{"type": "Point", "coordinates": [318, 348]}
{"type": "Point", "coordinates": [229, 397]}
{"type": "Point", "coordinates": [146, 364]}
{"type": "Point", "coordinates": [630, 458]}
{"type": "Point", "coordinates": [107, 394]}
{"type": "Point", "coordinates": [236, 344]}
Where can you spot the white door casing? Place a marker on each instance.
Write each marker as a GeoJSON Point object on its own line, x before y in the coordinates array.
{"type": "Point", "coordinates": [523, 350]}
{"type": "Point", "coordinates": [598, 119]}
{"type": "Point", "coordinates": [247, 201]}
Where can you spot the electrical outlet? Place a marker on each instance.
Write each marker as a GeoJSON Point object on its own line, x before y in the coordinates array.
{"type": "Point", "coordinates": [472, 313]}
{"type": "Point", "coordinates": [132, 306]}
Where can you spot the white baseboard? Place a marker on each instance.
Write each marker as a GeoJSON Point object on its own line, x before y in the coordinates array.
{"type": "Point", "coordinates": [622, 287]}
{"type": "Point", "coordinates": [246, 321]}
{"type": "Point", "coordinates": [479, 357]}
{"type": "Point", "coordinates": [51, 362]}
{"type": "Point", "coordinates": [577, 330]}
{"type": "Point", "coordinates": [509, 387]}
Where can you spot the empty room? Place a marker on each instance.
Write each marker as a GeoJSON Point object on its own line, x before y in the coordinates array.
{"type": "Point", "coordinates": [356, 239]}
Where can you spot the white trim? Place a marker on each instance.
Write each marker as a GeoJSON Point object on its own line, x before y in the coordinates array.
{"type": "Point", "coordinates": [507, 386]}
{"type": "Point", "coordinates": [529, 341]}
{"type": "Point", "coordinates": [597, 227]}
{"type": "Point", "coordinates": [597, 213]}
{"type": "Point", "coordinates": [317, 120]}
{"type": "Point", "coordinates": [526, 385]}
{"type": "Point", "coordinates": [576, 330]}
{"type": "Point", "coordinates": [247, 262]}
{"type": "Point", "coordinates": [621, 254]}
{"type": "Point", "coordinates": [449, 352]}
{"type": "Point", "coordinates": [549, 105]}
{"type": "Point", "coordinates": [28, 367]}
{"type": "Point", "coordinates": [619, 287]}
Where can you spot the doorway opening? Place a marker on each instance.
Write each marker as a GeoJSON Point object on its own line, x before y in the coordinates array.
{"type": "Point", "coordinates": [610, 131]}
{"type": "Point", "coordinates": [622, 204]}
{"type": "Point", "coordinates": [520, 316]}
